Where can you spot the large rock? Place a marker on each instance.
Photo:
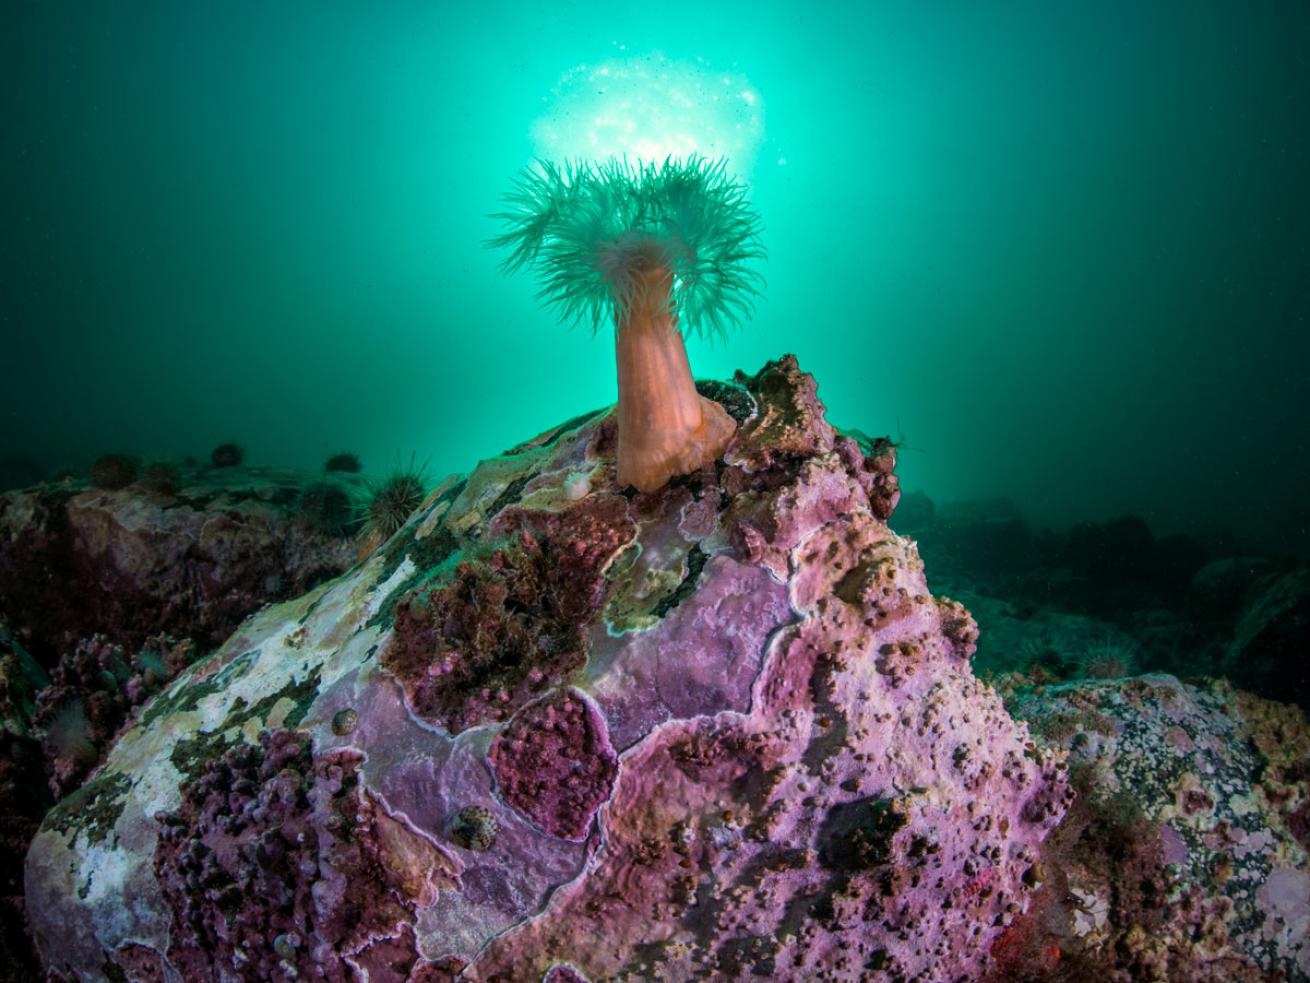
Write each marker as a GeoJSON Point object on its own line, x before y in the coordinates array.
{"type": "Point", "coordinates": [1185, 857]}
{"type": "Point", "coordinates": [554, 730]}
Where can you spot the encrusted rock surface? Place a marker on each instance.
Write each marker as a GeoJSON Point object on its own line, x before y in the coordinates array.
{"type": "Point", "coordinates": [192, 560]}
{"type": "Point", "coordinates": [554, 730]}
{"type": "Point", "coordinates": [1185, 857]}
{"type": "Point", "coordinates": [111, 593]}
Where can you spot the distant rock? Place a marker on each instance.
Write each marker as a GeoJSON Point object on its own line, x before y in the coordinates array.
{"type": "Point", "coordinates": [1270, 654]}
{"type": "Point", "coordinates": [128, 564]}
{"type": "Point", "coordinates": [555, 730]}
{"type": "Point", "coordinates": [1219, 589]}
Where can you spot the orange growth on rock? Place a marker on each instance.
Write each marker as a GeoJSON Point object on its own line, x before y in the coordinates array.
{"type": "Point", "coordinates": [666, 427]}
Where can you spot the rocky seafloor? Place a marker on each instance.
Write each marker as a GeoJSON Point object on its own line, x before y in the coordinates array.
{"type": "Point", "coordinates": [555, 730]}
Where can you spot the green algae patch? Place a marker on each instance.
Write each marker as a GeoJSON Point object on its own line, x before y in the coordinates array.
{"type": "Point", "coordinates": [187, 692]}
{"type": "Point", "coordinates": [695, 564]}
{"type": "Point", "coordinates": [191, 755]}
{"type": "Point", "coordinates": [433, 557]}
{"type": "Point", "coordinates": [302, 695]}
{"type": "Point", "coordinates": [640, 596]}
{"type": "Point", "coordinates": [93, 808]}
{"type": "Point", "coordinates": [548, 438]}
{"type": "Point", "coordinates": [407, 544]}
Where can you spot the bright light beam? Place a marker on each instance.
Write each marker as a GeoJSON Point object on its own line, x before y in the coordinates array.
{"type": "Point", "coordinates": [649, 107]}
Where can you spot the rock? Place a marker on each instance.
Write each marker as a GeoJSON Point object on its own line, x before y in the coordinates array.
{"type": "Point", "coordinates": [556, 730]}
{"type": "Point", "coordinates": [19, 471]}
{"type": "Point", "coordinates": [1185, 857]}
{"type": "Point", "coordinates": [1268, 651]}
{"type": "Point", "coordinates": [86, 577]}
{"type": "Point", "coordinates": [92, 691]}
{"type": "Point", "coordinates": [1219, 589]}
{"type": "Point", "coordinates": [24, 799]}
{"type": "Point", "coordinates": [133, 563]}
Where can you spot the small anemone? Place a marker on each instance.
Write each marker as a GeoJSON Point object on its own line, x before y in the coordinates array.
{"type": "Point", "coordinates": [475, 828]}
{"type": "Point", "coordinates": [68, 735]}
{"type": "Point", "coordinates": [153, 668]}
{"type": "Point", "coordinates": [393, 500]}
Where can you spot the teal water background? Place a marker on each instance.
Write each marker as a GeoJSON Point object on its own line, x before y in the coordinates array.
{"type": "Point", "coordinates": [1062, 248]}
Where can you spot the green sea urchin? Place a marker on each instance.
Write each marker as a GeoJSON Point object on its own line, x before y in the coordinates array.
{"type": "Point", "coordinates": [113, 471]}
{"type": "Point", "coordinates": [1109, 658]}
{"type": "Point", "coordinates": [344, 461]}
{"type": "Point", "coordinates": [394, 500]}
{"type": "Point", "coordinates": [161, 478]}
{"type": "Point", "coordinates": [1045, 651]}
{"type": "Point", "coordinates": [227, 455]}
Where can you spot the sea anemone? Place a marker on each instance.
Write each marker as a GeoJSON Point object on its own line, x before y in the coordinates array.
{"type": "Point", "coordinates": [394, 500]}
{"type": "Point", "coordinates": [655, 248]}
{"type": "Point", "coordinates": [325, 508]}
{"type": "Point", "coordinates": [113, 471]}
{"type": "Point", "coordinates": [68, 736]}
{"type": "Point", "coordinates": [227, 456]}
{"type": "Point", "coordinates": [342, 462]}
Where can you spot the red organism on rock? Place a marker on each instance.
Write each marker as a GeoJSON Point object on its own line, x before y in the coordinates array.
{"type": "Point", "coordinates": [554, 763]}
{"type": "Point", "coordinates": [92, 690]}
{"type": "Point", "coordinates": [508, 624]}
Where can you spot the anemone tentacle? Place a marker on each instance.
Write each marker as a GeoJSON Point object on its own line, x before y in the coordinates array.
{"type": "Point", "coordinates": [590, 229]}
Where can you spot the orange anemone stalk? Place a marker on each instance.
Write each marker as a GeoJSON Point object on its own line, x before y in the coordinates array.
{"type": "Point", "coordinates": [666, 427]}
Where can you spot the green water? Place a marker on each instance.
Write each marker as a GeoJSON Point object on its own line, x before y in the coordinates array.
{"type": "Point", "coordinates": [1061, 247]}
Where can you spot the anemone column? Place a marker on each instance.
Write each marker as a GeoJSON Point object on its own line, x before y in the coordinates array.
{"type": "Point", "coordinates": [666, 428]}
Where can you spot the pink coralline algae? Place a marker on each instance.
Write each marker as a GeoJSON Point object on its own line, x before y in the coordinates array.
{"type": "Point", "coordinates": [276, 867]}
{"type": "Point", "coordinates": [507, 625]}
{"type": "Point", "coordinates": [554, 763]}
{"type": "Point", "coordinates": [555, 730]}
